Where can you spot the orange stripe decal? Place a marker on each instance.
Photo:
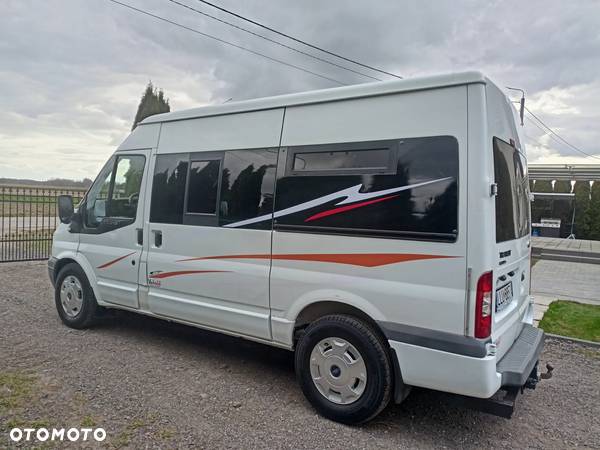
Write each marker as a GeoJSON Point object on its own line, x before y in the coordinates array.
{"type": "Point", "coordinates": [353, 259]}
{"type": "Point", "coordinates": [183, 272]}
{"type": "Point", "coordinates": [110, 263]}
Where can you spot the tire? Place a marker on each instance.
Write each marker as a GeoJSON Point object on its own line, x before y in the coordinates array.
{"type": "Point", "coordinates": [80, 309]}
{"type": "Point", "coordinates": [356, 400]}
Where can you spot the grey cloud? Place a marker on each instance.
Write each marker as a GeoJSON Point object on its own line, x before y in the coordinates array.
{"type": "Point", "coordinates": [71, 72]}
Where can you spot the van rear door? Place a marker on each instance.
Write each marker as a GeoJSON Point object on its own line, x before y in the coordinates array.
{"type": "Point", "coordinates": [512, 263]}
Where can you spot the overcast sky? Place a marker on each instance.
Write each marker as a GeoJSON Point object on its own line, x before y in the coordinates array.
{"type": "Point", "coordinates": [72, 71]}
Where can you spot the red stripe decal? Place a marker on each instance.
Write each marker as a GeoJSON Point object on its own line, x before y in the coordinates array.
{"type": "Point", "coordinates": [183, 272]}
{"type": "Point", "coordinates": [353, 259]}
{"type": "Point", "coordinates": [110, 263]}
{"type": "Point", "coordinates": [342, 209]}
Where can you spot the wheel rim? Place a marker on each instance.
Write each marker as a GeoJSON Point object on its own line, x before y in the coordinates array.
{"type": "Point", "coordinates": [71, 296]}
{"type": "Point", "coordinates": [338, 370]}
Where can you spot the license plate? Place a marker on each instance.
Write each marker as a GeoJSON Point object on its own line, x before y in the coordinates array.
{"type": "Point", "coordinates": [504, 296]}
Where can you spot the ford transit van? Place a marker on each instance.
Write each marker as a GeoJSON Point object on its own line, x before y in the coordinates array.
{"type": "Point", "coordinates": [380, 231]}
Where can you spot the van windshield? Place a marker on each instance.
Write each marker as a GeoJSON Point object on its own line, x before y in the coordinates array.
{"type": "Point", "coordinates": [512, 200]}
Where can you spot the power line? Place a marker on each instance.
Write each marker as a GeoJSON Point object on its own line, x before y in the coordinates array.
{"type": "Point", "coordinates": [547, 133]}
{"type": "Point", "coordinates": [141, 11]}
{"type": "Point", "coordinates": [273, 40]}
{"type": "Point", "coordinates": [239, 16]}
{"type": "Point", "coordinates": [558, 136]}
{"type": "Point", "coordinates": [535, 141]}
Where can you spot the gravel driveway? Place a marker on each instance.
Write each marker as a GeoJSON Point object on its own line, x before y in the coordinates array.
{"type": "Point", "coordinates": [153, 384]}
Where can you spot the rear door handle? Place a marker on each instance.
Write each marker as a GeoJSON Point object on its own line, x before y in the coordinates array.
{"type": "Point", "coordinates": [157, 238]}
{"type": "Point", "coordinates": [140, 236]}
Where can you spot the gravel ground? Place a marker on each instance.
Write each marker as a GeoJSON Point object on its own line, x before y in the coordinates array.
{"type": "Point", "coordinates": [153, 384]}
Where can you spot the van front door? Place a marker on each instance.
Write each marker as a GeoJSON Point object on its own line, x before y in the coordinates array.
{"type": "Point", "coordinates": [112, 223]}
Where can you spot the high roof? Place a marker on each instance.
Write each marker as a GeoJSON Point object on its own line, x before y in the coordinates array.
{"type": "Point", "coordinates": [325, 95]}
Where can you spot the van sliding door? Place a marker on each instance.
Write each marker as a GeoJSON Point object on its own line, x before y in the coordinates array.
{"type": "Point", "coordinates": [210, 221]}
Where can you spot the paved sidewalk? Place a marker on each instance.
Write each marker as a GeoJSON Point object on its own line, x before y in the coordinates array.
{"type": "Point", "coordinates": [541, 303]}
{"type": "Point", "coordinates": [567, 280]}
{"type": "Point", "coordinates": [572, 250]}
{"type": "Point", "coordinates": [554, 280]}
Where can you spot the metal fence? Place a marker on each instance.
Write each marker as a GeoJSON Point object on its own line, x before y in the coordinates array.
{"type": "Point", "coordinates": [28, 217]}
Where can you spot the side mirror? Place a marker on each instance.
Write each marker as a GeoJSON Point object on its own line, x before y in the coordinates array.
{"type": "Point", "coordinates": [65, 208]}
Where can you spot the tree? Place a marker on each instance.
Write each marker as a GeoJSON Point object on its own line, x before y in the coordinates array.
{"type": "Point", "coordinates": [543, 186]}
{"type": "Point", "coordinates": [562, 186]}
{"type": "Point", "coordinates": [541, 208]}
{"type": "Point", "coordinates": [582, 192]}
{"type": "Point", "coordinates": [563, 208]}
{"type": "Point", "coordinates": [593, 213]}
{"type": "Point", "coordinates": [152, 102]}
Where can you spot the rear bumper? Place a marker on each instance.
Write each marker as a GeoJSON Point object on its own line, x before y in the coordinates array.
{"type": "Point", "coordinates": [455, 370]}
{"type": "Point", "coordinates": [516, 365]}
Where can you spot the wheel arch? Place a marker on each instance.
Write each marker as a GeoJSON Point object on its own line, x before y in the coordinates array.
{"type": "Point", "coordinates": [318, 309]}
{"type": "Point", "coordinates": [77, 258]}
{"type": "Point", "coordinates": [62, 263]}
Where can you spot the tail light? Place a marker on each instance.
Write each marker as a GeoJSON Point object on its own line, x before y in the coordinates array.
{"type": "Point", "coordinates": [483, 306]}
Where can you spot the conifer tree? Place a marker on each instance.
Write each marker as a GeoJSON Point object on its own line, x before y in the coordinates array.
{"type": "Point", "coordinates": [592, 217]}
{"type": "Point", "coordinates": [153, 101]}
{"type": "Point", "coordinates": [582, 192]}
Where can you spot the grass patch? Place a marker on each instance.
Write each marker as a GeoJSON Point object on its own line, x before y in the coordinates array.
{"type": "Point", "coordinates": [588, 353]}
{"type": "Point", "coordinates": [573, 320]}
{"type": "Point", "coordinates": [534, 261]}
{"type": "Point", "coordinates": [165, 433]}
{"type": "Point", "coordinates": [15, 388]}
{"type": "Point", "coordinates": [17, 422]}
{"type": "Point", "coordinates": [88, 421]}
{"type": "Point", "coordinates": [124, 437]}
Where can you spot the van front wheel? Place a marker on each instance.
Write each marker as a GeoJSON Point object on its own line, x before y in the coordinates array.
{"type": "Point", "coordinates": [344, 369]}
{"type": "Point", "coordinates": [74, 298]}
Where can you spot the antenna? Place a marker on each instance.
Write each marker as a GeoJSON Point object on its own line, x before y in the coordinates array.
{"type": "Point", "coordinates": [522, 102]}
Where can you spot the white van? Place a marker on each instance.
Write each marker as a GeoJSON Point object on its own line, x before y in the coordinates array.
{"type": "Point", "coordinates": [380, 231]}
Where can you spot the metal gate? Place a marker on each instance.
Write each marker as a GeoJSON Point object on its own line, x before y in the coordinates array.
{"type": "Point", "coordinates": [28, 217]}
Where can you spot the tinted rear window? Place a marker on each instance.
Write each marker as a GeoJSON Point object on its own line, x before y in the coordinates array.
{"type": "Point", "coordinates": [512, 200]}
{"type": "Point", "coordinates": [203, 186]}
{"type": "Point", "coordinates": [414, 195]}
{"type": "Point", "coordinates": [247, 186]}
{"type": "Point", "coordinates": [168, 188]}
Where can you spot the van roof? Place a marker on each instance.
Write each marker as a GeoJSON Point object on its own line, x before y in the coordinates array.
{"type": "Point", "coordinates": [325, 95]}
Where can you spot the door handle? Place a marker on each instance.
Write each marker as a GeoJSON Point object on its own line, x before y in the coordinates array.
{"type": "Point", "coordinates": [140, 236]}
{"type": "Point", "coordinates": [157, 238]}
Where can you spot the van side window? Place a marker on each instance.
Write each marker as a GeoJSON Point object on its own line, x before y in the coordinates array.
{"type": "Point", "coordinates": [116, 191]}
{"type": "Point", "coordinates": [378, 158]}
{"type": "Point", "coordinates": [403, 188]}
{"type": "Point", "coordinates": [125, 192]}
{"type": "Point", "coordinates": [203, 187]}
{"type": "Point", "coordinates": [248, 185]}
{"type": "Point", "coordinates": [168, 188]}
{"type": "Point", "coordinates": [97, 197]}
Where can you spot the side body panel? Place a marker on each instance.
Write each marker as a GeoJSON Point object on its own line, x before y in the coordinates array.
{"type": "Point", "coordinates": [480, 248]}
{"type": "Point", "coordinates": [427, 293]}
{"type": "Point", "coordinates": [194, 275]}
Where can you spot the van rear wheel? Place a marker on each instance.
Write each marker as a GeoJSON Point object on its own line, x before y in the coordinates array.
{"type": "Point", "coordinates": [74, 298]}
{"type": "Point", "coordinates": [344, 369]}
